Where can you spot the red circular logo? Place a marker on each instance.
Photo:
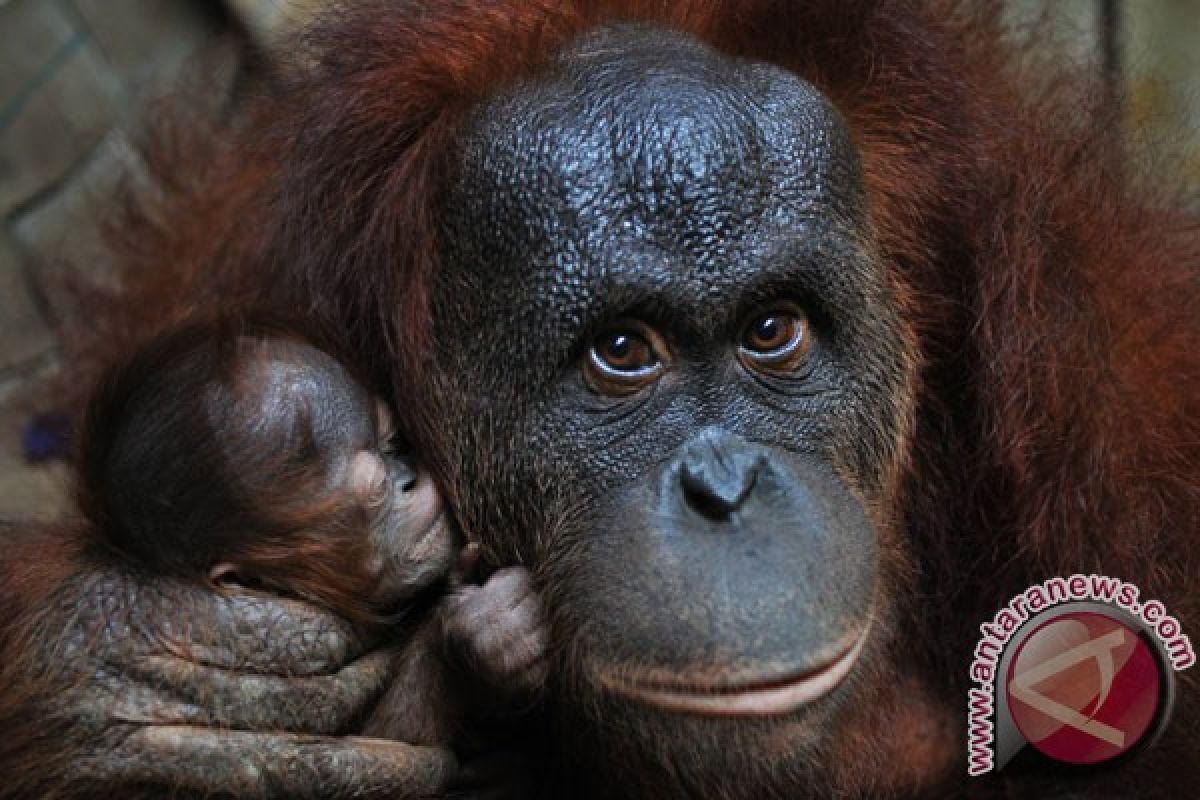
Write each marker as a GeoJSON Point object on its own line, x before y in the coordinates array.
{"type": "Point", "coordinates": [1084, 688]}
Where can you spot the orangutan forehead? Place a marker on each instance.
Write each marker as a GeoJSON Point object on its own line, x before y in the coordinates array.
{"type": "Point", "coordinates": [650, 137]}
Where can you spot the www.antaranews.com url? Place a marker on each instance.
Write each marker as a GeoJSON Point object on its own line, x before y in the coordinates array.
{"type": "Point", "coordinates": [1052, 592]}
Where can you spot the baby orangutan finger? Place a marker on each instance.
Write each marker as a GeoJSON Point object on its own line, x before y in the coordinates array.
{"type": "Point", "coordinates": [256, 766]}
{"type": "Point", "coordinates": [528, 666]}
{"type": "Point", "coordinates": [512, 650]}
{"type": "Point", "coordinates": [471, 610]}
{"type": "Point", "coordinates": [498, 629]}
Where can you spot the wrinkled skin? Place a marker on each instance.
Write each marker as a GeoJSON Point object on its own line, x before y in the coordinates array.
{"type": "Point", "coordinates": [717, 528]}
{"type": "Point", "coordinates": [712, 547]}
{"type": "Point", "coordinates": [254, 694]}
{"type": "Point", "coordinates": [178, 697]}
{"type": "Point", "coordinates": [763, 575]}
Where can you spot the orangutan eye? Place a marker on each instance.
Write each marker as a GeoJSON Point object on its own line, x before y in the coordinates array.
{"type": "Point", "coordinates": [776, 341]}
{"type": "Point", "coordinates": [622, 361]}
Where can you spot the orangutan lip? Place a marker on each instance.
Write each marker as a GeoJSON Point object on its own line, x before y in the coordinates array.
{"type": "Point", "coordinates": [760, 698]}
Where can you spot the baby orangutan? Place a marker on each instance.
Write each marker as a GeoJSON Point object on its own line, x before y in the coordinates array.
{"type": "Point", "coordinates": [240, 452]}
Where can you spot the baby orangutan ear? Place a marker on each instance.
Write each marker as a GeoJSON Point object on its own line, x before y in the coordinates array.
{"type": "Point", "coordinates": [230, 577]}
{"type": "Point", "coordinates": [368, 478]}
{"type": "Point", "coordinates": [224, 574]}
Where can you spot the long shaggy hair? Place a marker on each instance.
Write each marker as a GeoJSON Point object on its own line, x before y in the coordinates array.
{"type": "Point", "coordinates": [1050, 290]}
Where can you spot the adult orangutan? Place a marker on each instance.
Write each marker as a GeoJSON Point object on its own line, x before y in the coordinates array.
{"type": "Point", "coordinates": [781, 341]}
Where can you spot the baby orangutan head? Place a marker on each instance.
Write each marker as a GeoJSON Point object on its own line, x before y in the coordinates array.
{"type": "Point", "coordinates": [241, 451]}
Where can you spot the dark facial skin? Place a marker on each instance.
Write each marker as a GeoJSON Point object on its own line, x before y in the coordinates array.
{"type": "Point", "coordinates": [669, 250]}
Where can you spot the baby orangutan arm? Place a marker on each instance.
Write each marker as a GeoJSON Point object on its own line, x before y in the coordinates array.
{"type": "Point", "coordinates": [480, 642]}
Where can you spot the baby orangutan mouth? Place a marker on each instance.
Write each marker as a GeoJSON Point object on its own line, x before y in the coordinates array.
{"type": "Point", "coordinates": [727, 697]}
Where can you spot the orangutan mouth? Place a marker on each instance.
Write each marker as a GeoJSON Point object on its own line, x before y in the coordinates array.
{"type": "Point", "coordinates": [756, 698]}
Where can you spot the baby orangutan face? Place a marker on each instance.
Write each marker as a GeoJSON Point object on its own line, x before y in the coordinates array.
{"type": "Point", "coordinates": [412, 544]}
{"type": "Point", "coordinates": [303, 406]}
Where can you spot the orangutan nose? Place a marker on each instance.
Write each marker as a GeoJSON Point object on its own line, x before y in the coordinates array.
{"type": "Point", "coordinates": [717, 472]}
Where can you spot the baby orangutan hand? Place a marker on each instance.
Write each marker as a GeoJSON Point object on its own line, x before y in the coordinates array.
{"type": "Point", "coordinates": [497, 630]}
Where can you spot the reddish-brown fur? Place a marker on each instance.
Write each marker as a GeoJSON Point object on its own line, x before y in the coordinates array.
{"type": "Point", "coordinates": [38, 562]}
{"type": "Point", "coordinates": [1050, 291]}
{"type": "Point", "coordinates": [264, 507]}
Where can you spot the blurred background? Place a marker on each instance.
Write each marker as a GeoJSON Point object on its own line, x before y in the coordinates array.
{"type": "Point", "coordinates": [80, 78]}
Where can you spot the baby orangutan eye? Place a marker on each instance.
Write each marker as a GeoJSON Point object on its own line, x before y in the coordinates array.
{"type": "Point", "coordinates": [622, 361]}
{"type": "Point", "coordinates": [777, 341]}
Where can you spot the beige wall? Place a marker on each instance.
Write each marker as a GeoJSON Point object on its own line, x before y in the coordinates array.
{"type": "Point", "coordinates": [1163, 76]}
{"type": "Point", "coordinates": [77, 79]}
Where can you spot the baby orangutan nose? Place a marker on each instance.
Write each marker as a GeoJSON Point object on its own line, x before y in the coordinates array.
{"type": "Point", "coordinates": [414, 545]}
{"type": "Point", "coordinates": [373, 479]}
{"type": "Point", "coordinates": [404, 473]}
{"type": "Point", "coordinates": [718, 472]}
